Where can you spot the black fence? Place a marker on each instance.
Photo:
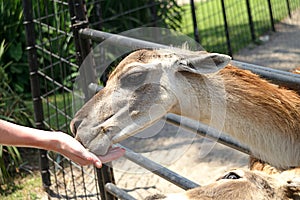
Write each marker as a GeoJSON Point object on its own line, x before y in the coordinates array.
{"type": "Point", "coordinates": [226, 26]}
{"type": "Point", "coordinates": [57, 45]}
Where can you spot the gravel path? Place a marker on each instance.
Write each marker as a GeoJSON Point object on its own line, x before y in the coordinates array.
{"type": "Point", "coordinates": [281, 51]}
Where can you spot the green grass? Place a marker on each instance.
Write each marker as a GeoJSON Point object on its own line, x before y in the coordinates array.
{"type": "Point", "coordinates": [211, 22]}
{"type": "Point", "coordinates": [24, 188]}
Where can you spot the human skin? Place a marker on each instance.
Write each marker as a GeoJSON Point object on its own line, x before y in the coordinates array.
{"type": "Point", "coordinates": [16, 135]}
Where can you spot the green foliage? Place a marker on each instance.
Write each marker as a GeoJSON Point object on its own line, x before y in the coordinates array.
{"type": "Point", "coordinates": [118, 16]}
{"type": "Point", "coordinates": [12, 108]}
{"type": "Point", "coordinates": [12, 32]}
{"type": "Point", "coordinates": [10, 159]}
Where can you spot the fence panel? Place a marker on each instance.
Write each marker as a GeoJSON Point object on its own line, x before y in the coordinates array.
{"type": "Point", "coordinates": [56, 67]}
{"type": "Point", "coordinates": [244, 21]}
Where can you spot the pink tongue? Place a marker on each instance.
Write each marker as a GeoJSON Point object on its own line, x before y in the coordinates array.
{"type": "Point", "coordinates": [113, 154]}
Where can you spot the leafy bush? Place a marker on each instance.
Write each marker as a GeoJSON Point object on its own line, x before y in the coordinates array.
{"type": "Point", "coordinates": [12, 32]}
{"type": "Point", "coordinates": [14, 82]}
{"type": "Point", "coordinates": [12, 108]}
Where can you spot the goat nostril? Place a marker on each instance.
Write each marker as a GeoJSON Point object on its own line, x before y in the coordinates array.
{"type": "Point", "coordinates": [74, 126]}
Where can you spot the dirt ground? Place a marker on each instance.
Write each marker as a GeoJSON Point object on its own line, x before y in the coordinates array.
{"type": "Point", "coordinates": [194, 158]}
{"type": "Point", "coordinates": [281, 50]}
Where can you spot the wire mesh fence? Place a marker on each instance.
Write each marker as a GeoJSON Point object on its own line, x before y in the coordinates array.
{"type": "Point", "coordinates": [227, 26]}
{"type": "Point", "coordinates": [54, 58]}
{"type": "Point", "coordinates": [53, 62]}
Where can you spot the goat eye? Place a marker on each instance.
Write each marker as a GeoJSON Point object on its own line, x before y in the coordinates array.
{"type": "Point", "coordinates": [187, 63]}
{"type": "Point", "coordinates": [133, 79]}
{"type": "Point", "coordinates": [231, 175]}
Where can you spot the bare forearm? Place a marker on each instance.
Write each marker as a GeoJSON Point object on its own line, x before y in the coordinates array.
{"type": "Point", "coordinates": [16, 135]}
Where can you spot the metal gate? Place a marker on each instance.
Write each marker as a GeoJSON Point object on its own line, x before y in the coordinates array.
{"type": "Point", "coordinates": [60, 35]}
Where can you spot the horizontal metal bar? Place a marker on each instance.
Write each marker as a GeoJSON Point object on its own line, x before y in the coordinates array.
{"type": "Point", "coordinates": [60, 58]}
{"type": "Point", "coordinates": [48, 27]}
{"type": "Point", "coordinates": [206, 131]}
{"type": "Point", "coordinates": [44, 68]}
{"type": "Point", "coordinates": [280, 77]}
{"type": "Point", "coordinates": [99, 36]}
{"type": "Point", "coordinates": [158, 169]}
{"type": "Point", "coordinates": [50, 79]}
{"type": "Point", "coordinates": [117, 192]}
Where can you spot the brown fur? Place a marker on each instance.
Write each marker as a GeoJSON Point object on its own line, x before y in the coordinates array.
{"type": "Point", "coordinates": [259, 165]}
{"type": "Point", "coordinates": [260, 102]}
{"type": "Point", "coordinates": [141, 56]}
{"type": "Point", "coordinates": [257, 92]}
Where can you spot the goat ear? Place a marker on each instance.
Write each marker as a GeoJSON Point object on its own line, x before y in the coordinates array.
{"type": "Point", "coordinates": [204, 63]}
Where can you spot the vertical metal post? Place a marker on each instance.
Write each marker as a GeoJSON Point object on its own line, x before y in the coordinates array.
{"type": "Point", "coordinates": [289, 8]}
{"type": "Point", "coordinates": [83, 48]}
{"type": "Point", "coordinates": [195, 25]}
{"type": "Point", "coordinates": [250, 21]}
{"type": "Point", "coordinates": [35, 86]}
{"type": "Point", "coordinates": [271, 15]}
{"type": "Point", "coordinates": [105, 175]}
{"type": "Point", "coordinates": [226, 28]}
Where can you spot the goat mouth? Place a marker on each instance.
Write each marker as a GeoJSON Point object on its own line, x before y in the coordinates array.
{"type": "Point", "coordinates": [130, 130]}
{"type": "Point", "coordinates": [107, 118]}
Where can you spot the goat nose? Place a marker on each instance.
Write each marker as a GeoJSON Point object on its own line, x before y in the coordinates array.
{"type": "Point", "coordinates": [74, 125]}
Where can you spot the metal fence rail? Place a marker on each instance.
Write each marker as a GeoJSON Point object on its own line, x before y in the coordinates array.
{"type": "Point", "coordinates": [117, 192]}
{"type": "Point", "coordinates": [159, 170]}
{"type": "Point", "coordinates": [280, 77]}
